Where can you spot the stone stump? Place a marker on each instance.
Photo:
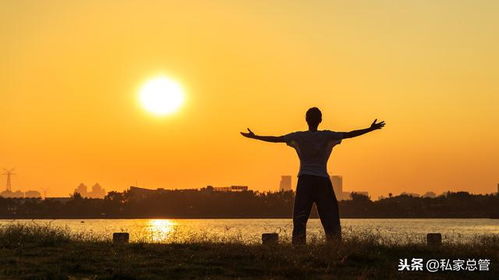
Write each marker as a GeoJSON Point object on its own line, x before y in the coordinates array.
{"type": "Point", "coordinates": [270, 238]}
{"type": "Point", "coordinates": [121, 237]}
{"type": "Point", "coordinates": [434, 239]}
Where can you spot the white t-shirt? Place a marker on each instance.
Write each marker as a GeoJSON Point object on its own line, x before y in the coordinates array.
{"type": "Point", "coordinates": [313, 149]}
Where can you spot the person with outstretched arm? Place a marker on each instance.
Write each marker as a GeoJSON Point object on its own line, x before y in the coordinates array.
{"type": "Point", "coordinates": [314, 185]}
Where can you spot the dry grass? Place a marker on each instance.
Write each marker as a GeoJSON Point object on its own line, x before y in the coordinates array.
{"type": "Point", "coordinates": [47, 252]}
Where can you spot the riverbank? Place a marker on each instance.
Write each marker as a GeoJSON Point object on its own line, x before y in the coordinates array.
{"type": "Point", "coordinates": [44, 252]}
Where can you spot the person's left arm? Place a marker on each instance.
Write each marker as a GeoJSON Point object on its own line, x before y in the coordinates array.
{"type": "Point", "coordinates": [359, 132]}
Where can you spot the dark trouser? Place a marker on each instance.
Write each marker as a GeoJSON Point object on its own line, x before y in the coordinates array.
{"type": "Point", "coordinates": [316, 189]}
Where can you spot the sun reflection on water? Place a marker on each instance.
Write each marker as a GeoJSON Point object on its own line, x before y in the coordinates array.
{"type": "Point", "coordinates": [160, 229]}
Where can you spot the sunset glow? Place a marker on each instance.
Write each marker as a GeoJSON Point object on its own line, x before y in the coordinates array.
{"type": "Point", "coordinates": [157, 93]}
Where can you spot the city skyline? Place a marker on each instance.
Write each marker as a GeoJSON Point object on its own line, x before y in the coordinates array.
{"type": "Point", "coordinates": [286, 184]}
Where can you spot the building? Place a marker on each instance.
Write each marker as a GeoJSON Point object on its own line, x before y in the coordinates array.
{"type": "Point", "coordinates": [337, 182]}
{"type": "Point", "coordinates": [140, 192]}
{"type": "Point", "coordinates": [20, 194]}
{"type": "Point", "coordinates": [81, 189]}
{"type": "Point", "coordinates": [285, 184]}
{"type": "Point", "coordinates": [239, 188]}
{"type": "Point", "coordinates": [231, 189]}
{"type": "Point", "coordinates": [97, 191]}
{"type": "Point", "coordinates": [11, 194]}
{"type": "Point", "coordinates": [32, 194]}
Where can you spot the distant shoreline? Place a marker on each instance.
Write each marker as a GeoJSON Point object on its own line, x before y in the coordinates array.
{"type": "Point", "coordinates": [205, 204]}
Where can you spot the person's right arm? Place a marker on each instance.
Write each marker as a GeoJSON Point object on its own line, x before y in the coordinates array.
{"type": "Point", "coordinates": [272, 139]}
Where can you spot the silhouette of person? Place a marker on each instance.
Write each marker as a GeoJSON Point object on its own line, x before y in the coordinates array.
{"type": "Point", "coordinates": [314, 185]}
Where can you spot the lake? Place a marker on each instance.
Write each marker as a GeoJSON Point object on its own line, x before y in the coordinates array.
{"type": "Point", "coordinates": [250, 230]}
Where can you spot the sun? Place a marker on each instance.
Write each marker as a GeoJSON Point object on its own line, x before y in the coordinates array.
{"type": "Point", "coordinates": [161, 96]}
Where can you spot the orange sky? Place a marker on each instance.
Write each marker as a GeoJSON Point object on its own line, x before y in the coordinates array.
{"type": "Point", "coordinates": [70, 72]}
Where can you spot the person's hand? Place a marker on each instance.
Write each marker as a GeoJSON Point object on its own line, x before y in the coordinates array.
{"type": "Point", "coordinates": [248, 134]}
{"type": "Point", "coordinates": [375, 125]}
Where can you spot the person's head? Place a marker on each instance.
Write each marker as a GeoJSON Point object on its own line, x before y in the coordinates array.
{"type": "Point", "coordinates": [313, 117]}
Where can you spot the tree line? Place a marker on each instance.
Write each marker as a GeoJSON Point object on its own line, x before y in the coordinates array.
{"type": "Point", "coordinates": [207, 203]}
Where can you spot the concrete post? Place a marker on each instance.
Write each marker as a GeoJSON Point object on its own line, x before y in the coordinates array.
{"type": "Point", "coordinates": [121, 237]}
{"type": "Point", "coordinates": [270, 238]}
{"type": "Point", "coordinates": [434, 239]}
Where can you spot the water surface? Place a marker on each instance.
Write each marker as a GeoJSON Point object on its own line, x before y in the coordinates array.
{"type": "Point", "coordinates": [250, 230]}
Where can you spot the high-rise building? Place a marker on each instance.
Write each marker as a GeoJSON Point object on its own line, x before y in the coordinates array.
{"type": "Point", "coordinates": [337, 182]}
{"type": "Point", "coordinates": [97, 191]}
{"type": "Point", "coordinates": [285, 184]}
{"type": "Point", "coordinates": [81, 189]}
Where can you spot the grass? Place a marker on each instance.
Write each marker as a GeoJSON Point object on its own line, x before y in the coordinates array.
{"type": "Point", "coordinates": [48, 252]}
